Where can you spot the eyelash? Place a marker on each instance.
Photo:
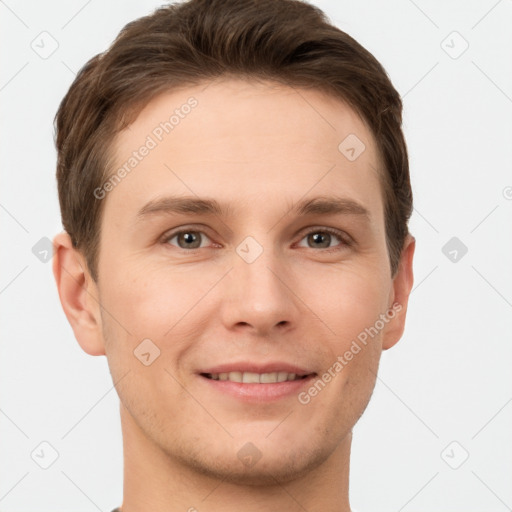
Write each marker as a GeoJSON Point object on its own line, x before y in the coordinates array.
{"type": "Point", "coordinates": [345, 240]}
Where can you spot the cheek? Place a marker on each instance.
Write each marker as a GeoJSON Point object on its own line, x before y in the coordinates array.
{"type": "Point", "coordinates": [158, 302]}
{"type": "Point", "coordinates": [350, 301]}
{"type": "Point", "coordinates": [138, 293]}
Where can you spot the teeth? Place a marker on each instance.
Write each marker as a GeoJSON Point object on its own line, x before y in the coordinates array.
{"type": "Point", "coordinates": [250, 378]}
{"type": "Point", "coordinates": [254, 378]}
{"type": "Point", "coordinates": [282, 376]}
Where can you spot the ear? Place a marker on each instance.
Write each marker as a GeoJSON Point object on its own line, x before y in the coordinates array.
{"type": "Point", "coordinates": [78, 295]}
{"type": "Point", "coordinates": [399, 296]}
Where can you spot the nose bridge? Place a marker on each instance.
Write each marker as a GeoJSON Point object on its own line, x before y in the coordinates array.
{"type": "Point", "coordinates": [257, 266]}
{"type": "Point", "coordinates": [260, 295]}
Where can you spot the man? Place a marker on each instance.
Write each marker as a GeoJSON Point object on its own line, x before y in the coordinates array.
{"type": "Point", "coordinates": [235, 193]}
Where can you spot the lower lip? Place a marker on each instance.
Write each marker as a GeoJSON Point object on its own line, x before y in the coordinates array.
{"type": "Point", "coordinates": [259, 392]}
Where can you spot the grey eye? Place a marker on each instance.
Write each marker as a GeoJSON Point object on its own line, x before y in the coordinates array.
{"type": "Point", "coordinates": [188, 239]}
{"type": "Point", "coordinates": [321, 239]}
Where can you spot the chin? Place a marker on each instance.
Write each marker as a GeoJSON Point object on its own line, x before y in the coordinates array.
{"type": "Point", "coordinates": [267, 471]}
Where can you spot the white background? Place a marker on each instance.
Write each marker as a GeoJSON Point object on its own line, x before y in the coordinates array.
{"type": "Point", "coordinates": [447, 380]}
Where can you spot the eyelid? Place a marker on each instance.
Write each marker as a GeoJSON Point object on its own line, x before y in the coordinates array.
{"type": "Point", "coordinates": [345, 238]}
{"type": "Point", "coordinates": [169, 235]}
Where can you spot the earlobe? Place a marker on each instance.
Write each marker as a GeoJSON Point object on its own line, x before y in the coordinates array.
{"type": "Point", "coordinates": [401, 289]}
{"type": "Point", "coordinates": [78, 295]}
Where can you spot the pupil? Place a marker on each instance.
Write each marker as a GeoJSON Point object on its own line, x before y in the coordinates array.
{"type": "Point", "coordinates": [321, 238]}
{"type": "Point", "coordinates": [189, 239]}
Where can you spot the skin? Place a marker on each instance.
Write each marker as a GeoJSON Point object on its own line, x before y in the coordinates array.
{"type": "Point", "coordinates": [258, 147]}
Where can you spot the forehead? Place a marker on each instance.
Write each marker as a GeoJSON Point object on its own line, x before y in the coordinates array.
{"type": "Point", "coordinates": [241, 140]}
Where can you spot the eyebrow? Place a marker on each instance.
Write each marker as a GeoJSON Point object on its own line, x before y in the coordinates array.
{"type": "Point", "coordinates": [321, 205]}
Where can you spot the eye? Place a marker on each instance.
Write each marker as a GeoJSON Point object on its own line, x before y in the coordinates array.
{"type": "Point", "coordinates": [187, 239]}
{"type": "Point", "coordinates": [322, 237]}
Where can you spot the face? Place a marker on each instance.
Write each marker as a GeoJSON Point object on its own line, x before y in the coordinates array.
{"type": "Point", "coordinates": [245, 244]}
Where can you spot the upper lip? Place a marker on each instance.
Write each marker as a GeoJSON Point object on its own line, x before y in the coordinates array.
{"type": "Point", "coordinates": [256, 368]}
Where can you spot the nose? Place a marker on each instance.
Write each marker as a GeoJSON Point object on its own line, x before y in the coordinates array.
{"type": "Point", "coordinates": [259, 294]}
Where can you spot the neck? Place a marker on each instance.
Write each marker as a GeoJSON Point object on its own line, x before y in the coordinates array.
{"type": "Point", "coordinates": [155, 481]}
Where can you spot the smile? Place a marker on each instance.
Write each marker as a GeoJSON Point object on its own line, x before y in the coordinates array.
{"type": "Point", "coordinates": [254, 378]}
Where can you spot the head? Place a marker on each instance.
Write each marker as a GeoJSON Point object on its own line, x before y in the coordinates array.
{"type": "Point", "coordinates": [234, 188]}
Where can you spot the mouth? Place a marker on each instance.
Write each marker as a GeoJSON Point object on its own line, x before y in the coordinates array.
{"type": "Point", "coordinates": [255, 384]}
{"type": "Point", "coordinates": [255, 378]}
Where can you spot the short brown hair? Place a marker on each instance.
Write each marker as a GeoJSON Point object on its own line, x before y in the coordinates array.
{"type": "Point", "coordinates": [288, 41]}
